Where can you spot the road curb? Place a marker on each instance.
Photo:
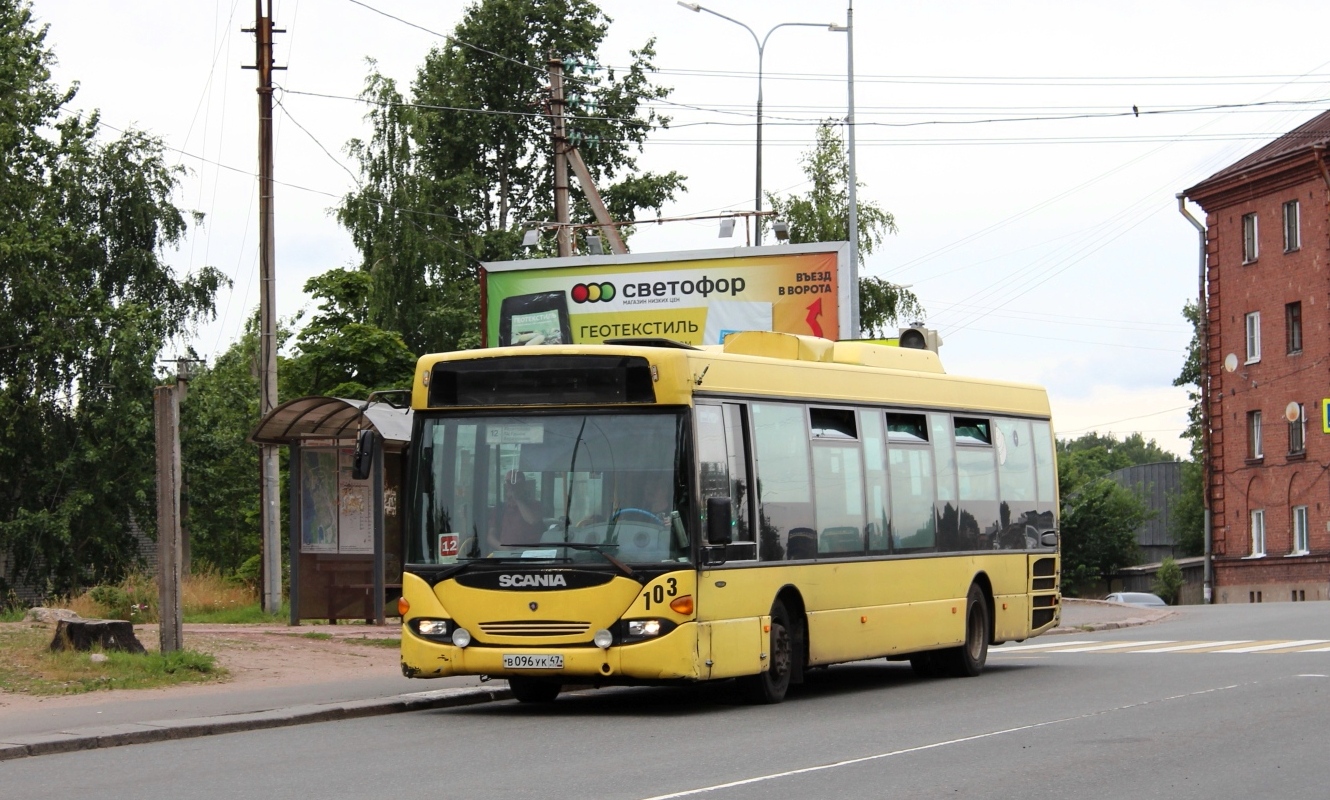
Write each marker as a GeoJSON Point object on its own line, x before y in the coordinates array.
{"type": "Point", "coordinates": [74, 739]}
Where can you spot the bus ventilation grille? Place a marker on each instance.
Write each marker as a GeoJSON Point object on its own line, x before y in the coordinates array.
{"type": "Point", "coordinates": [535, 628]}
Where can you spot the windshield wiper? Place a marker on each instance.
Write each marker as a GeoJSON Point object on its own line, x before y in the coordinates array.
{"type": "Point", "coordinates": [598, 548]}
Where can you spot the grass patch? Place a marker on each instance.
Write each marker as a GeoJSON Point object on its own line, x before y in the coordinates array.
{"type": "Point", "coordinates": [317, 635]}
{"type": "Point", "coordinates": [28, 666]}
{"type": "Point", "coordinates": [390, 643]}
{"type": "Point", "coordinates": [12, 614]}
{"type": "Point", "coordinates": [238, 615]}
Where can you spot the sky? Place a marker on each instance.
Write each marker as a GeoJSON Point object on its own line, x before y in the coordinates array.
{"type": "Point", "coordinates": [1029, 151]}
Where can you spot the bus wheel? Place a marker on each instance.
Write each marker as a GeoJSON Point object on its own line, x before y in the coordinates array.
{"type": "Point", "coordinates": [770, 686]}
{"type": "Point", "coordinates": [533, 690]}
{"type": "Point", "coordinates": [968, 660]}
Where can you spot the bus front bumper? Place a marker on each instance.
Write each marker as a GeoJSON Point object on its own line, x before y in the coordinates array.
{"type": "Point", "coordinates": [670, 657]}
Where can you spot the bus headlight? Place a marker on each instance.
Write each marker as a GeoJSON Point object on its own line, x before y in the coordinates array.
{"type": "Point", "coordinates": [643, 628]}
{"type": "Point", "coordinates": [432, 627]}
{"type": "Point", "coordinates": [461, 637]}
{"type": "Point", "coordinates": [603, 639]}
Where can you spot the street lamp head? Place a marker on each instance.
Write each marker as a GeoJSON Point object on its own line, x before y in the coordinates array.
{"type": "Point", "coordinates": [782, 230]}
{"type": "Point", "coordinates": [691, 6]}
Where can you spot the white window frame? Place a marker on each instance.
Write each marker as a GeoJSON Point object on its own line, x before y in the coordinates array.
{"type": "Point", "coordinates": [1292, 233]}
{"type": "Point", "coordinates": [1254, 434]}
{"type": "Point", "coordinates": [1301, 531]}
{"type": "Point", "coordinates": [1253, 337]}
{"type": "Point", "coordinates": [1257, 532]}
{"type": "Point", "coordinates": [1250, 238]}
{"type": "Point", "coordinates": [1298, 429]}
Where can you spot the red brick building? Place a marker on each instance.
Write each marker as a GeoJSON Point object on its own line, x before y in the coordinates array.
{"type": "Point", "coordinates": [1268, 361]}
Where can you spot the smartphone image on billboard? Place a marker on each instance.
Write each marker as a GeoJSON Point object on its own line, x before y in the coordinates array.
{"type": "Point", "coordinates": [530, 319]}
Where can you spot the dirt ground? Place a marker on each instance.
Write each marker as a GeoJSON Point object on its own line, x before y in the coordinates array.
{"type": "Point", "coordinates": [255, 656]}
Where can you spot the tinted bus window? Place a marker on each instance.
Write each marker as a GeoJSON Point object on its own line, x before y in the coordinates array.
{"type": "Point", "coordinates": [912, 497]}
{"type": "Point", "coordinates": [878, 528]}
{"type": "Point", "coordinates": [840, 499]}
{"type": "Point", "coordinates": [780, 437]}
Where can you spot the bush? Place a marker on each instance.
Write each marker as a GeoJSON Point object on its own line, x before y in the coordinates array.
{"type": "Point", "coordinates": [1168, 581]}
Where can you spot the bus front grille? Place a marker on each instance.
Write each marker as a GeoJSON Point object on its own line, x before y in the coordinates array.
{"type": "Point", "coordinates": [535, 628]}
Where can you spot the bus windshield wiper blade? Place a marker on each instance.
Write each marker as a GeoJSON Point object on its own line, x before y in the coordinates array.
{"type": "Point", "coordinates": [600, 548]}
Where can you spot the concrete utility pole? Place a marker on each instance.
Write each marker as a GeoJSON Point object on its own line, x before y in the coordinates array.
{"type": "Point", "coordinates": [564, 234]}
{"type": "Point", "coordinates": [269, 494]}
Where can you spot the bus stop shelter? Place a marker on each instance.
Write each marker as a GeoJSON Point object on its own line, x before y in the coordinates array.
{"type": "Point", "coordinates": [345, 539]}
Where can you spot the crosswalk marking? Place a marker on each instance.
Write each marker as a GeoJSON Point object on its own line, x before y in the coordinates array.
{"type": "Point", "coordinates": [1109, 646]}
{"type": "Point", "coordinates": [1193, 646]}
{"type": "Point", "coordinates": [1040, 646]}
{"type": "Point", "coordinates": [1273, 646]}
{"type": "Point", "coordinates": [1151, 646]}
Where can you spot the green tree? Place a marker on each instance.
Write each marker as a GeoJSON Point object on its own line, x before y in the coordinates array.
{"type": "Point", "coordinates": [823, 215]}
{"type": "Point", "coordinates": [451, 175]}
{"type": "Point", "coordinates": [340, 353]}
{"type": "Point", "coordinates": [1099, 522]}
{"type": "Point", "coordinates": [1169, 581]}
{"type": "Point", "coordinates": [220, 465]}
{"type": "Point", "coordinates": [1188, 518]}
{"type": "Point", "coordinates": [89, 304]}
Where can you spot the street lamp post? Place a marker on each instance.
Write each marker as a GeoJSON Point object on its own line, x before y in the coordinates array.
{"type": "Point", "coordinates": [851, 179]}
{"type": "Point", "coordinates": [761, 49]}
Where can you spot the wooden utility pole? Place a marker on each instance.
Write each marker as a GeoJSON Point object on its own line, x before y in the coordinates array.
{"type": "Point", "coordinates": [565, 232]}
{"type": "Point", "coordinates": [166, 410]}
{"type": "Point", "coordinates": [269, 494]}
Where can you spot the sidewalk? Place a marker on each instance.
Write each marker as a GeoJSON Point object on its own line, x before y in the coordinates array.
{"type": "Point", "coordinates": [111, 719]}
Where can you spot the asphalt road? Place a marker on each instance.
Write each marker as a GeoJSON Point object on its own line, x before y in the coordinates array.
{"type": "Point", "coordinates": [1051, 718]}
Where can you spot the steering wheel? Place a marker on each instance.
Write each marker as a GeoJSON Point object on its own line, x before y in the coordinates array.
{"type": "Point", "coordinates": [641, 512]}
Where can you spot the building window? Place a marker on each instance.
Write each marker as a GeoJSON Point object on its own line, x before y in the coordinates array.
{"type": "Point", "coordinates": [1292, 235]}
{"type": "Point", "coordinates": [1293, 327]}
{"type": "Point", "coordinates": [1254, 435]}
{"type": "Point", "coordinates": [1258, 532]}
{"type": "Point", "coordinates": [1299, 530]}
{"type": "Point", "coordinates": [1253, 337]}
{"type": "Point", "coordinates": [1297, 432]}
{"type": "Point", "coordinates": [1249, 251]}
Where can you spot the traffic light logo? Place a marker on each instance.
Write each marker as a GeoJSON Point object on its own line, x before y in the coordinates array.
{"type": "Point", "coordinates": [593, 292]}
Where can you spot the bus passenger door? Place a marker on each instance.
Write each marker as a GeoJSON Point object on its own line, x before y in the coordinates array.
{"type": "Point", "coordinates": [729, 633]}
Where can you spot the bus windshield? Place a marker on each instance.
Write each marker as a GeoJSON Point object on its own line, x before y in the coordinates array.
{"type": "Point", "coordinates": [551, 487]}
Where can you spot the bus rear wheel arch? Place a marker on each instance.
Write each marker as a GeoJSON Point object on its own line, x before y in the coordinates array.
{"type": "Point", "coordinates": [968, 659]}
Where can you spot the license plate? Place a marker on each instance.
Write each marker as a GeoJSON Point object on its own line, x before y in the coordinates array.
{"type": "Point", "coordinates": [523, 661]}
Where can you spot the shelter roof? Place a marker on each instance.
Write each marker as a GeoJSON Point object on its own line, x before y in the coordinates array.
{"type": "Point", "coordinates": [331, 417]}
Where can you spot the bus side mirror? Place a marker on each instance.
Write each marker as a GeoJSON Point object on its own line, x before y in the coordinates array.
{"type": "Point", "coordinates": [1049, 538]}
{"type": "Point", "coordinates": [720, 519]}
{"type": "Point", "coordinates": [363, 460]}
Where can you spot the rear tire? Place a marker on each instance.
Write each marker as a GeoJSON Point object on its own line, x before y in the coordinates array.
{"type": "Point", "coordinates": [769, 687]}
{"type": "Point", "coordinates": [533, 690]}
{"type": "Point", "coordinates": [968, 660]}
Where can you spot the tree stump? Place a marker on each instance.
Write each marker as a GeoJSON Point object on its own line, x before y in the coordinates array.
{"type": "Point", "coordinates": [83, 634]}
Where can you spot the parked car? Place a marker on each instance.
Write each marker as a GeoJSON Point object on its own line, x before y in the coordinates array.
{"type": "Point", "coordinates": [1137, 599]}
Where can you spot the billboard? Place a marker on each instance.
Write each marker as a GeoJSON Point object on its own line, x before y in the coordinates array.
{"type": "Point", "coordinates": [695, 296]}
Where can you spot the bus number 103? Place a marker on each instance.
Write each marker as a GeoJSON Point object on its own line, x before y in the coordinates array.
{"type": "Point", "coordinates": [658, 592]}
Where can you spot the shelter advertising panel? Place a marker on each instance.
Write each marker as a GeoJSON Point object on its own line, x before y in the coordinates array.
{"type": "Point", "coordinates": [696, 297]}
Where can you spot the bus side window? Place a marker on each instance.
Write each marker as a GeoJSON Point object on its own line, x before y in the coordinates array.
{"type": "Point", "coordinates": [1016, 480]}
{"type": "Point", "coordinates": [784, 481]}
{"type": "Point", "coordinates": [736, 443]}
{"type": "Point", "coordinates": [976, 473]}
{"type": "Point", "coordinates": [875, 475]}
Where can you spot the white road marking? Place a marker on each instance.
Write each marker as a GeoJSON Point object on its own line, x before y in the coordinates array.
{"type": "Point", "coordinates": [1040, 646]}
{"type": "Point", "coordinates": [935, 745]}
{"type": "Point", "coordinates": [1192, 646]}
{"type": "Point", "coordinates": [1113, 646]}
{"type": "Point", "coordinates": [1276, 646]}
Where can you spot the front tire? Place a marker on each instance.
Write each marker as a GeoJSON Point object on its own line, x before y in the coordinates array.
{"type": "Point", "coordinates": [533, 690]}
{"type": "Point", "coordinates": [766, 688]}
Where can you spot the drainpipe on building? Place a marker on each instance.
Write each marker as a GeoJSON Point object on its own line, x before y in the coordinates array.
{"type": "Point", "coordinates": [1203, 338]}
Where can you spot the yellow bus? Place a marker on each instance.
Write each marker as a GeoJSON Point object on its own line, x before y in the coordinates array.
{"type": "Point", "coordinates": [649, 512]}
